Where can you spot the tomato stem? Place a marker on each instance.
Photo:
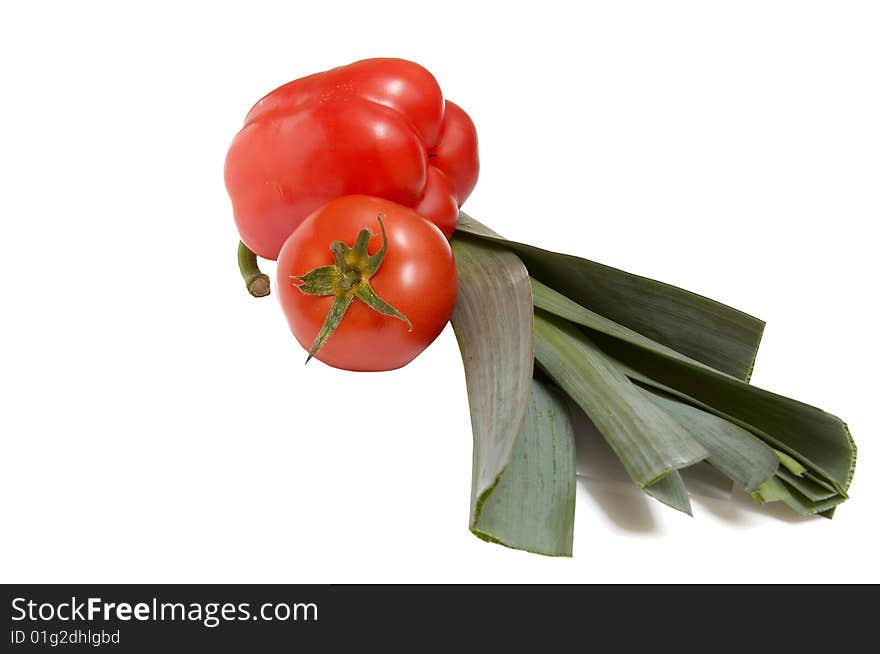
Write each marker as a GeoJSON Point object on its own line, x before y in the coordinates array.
{"type": "Point", "coordinates": [257, 283]}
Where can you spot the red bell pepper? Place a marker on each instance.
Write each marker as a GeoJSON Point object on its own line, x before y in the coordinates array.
{"type": "Point", "coordinates": [376, 127]}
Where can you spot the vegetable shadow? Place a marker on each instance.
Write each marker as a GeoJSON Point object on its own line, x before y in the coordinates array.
{"type": "Point", "coordinates": [605, 480]}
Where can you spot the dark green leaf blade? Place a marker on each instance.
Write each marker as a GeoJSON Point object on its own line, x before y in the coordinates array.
{"type": "Point", "coordinates": [556, 303]}
{"type": "Point", "coordinates": [802, 505]}
{"type": "Point", "coordinates": [809, 489]}
{"type": "Point", "coordinates": [700, 328]}
{"type": "Point", "coordinates": [816, 439]}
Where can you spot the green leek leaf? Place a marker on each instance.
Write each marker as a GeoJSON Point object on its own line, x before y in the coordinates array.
{"type": "Point", "coordinates": [523, 486]}
{"type": "Point", "coordinates": [671, 490]}
{"type": "Point", "coordinates": [790, 464]}
{"type": "Point", "coordinates": [802, 505]}
{"type": "Point", "coordinates": [733, 439]}
{"type": "Point", "coordinates": [772, 490]}
{"type": "Point", "coordinates": [556, 303]}
{"type": "Point", "coordinates": [648, 442]}
{"type": "Point", "coordinates": [818, 441]}
{"type": "Point", "coordinates": [795, 429]}
{"type": "Point", "coordinates": [775, 488]}
{"type": "Point", "coordinates": [736, 452]}
{"type": "Point", "coordinates": [700, 328]}
{"type": "Point", "coordinates": [811, 490]}
{"type": "Point", "coordinates": [819, 481]}
{"type": "Point", "coordinates": [493, 324]}
{"type": "Point", "coordinates": [532, 505]}
{"type": "Point", "coordinates": [661, 372]}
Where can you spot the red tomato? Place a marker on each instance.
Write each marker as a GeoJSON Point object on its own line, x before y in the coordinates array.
{"type": "Point", "coordinates": [416, 277]}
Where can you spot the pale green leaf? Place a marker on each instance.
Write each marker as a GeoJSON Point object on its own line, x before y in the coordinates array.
{"type": "Point", "coordinates": [772, 490]}
{"type": "Point", "coordinates": [532, 505]}
{"type": "Point", "coordinates": [648, 442]}
{"type": "Point", "coordinates": [493, 325]}
{"type": "Point", "coordinates": [790, 463]}
{"type": "Point", "coordinates": [736, 452]}
{"type": "Point", "coordinates": [670, 490]}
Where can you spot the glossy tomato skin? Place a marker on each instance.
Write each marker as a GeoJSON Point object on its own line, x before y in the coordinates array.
{"type": "Point", "coordinates": [417, 277]}
{"type": "Point", "coordinates": [378, 127]}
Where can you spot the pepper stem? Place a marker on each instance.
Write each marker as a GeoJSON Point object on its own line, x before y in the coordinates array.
{"type": "Point", "coordinates": [348, 278]}
{"type": "Point", "coordinates": [257, 283]}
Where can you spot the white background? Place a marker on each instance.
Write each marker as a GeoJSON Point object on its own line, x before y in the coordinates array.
{"type": "Point", "coordinates": [158, 423]}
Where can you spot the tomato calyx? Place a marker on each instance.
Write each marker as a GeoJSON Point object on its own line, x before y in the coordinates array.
{"type": "Point", "coordinates": [346, 279]}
